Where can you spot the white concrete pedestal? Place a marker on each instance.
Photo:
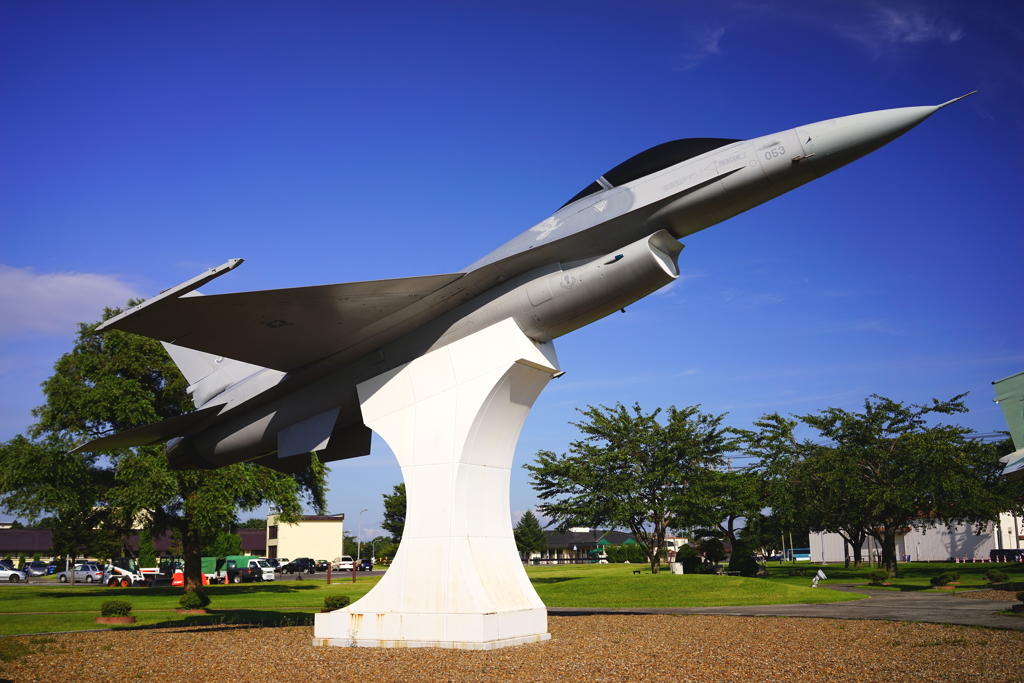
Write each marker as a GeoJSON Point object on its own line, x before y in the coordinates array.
{"type": "Point", "coordinates": [452, 418]}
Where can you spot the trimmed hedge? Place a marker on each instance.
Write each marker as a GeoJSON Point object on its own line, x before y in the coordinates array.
{"type": "Point", "coordinates": [333, 602]}
{"type": "Point", "coordinates": [194, 600]}
{"type": "Point", "coordinates": [116, 608]}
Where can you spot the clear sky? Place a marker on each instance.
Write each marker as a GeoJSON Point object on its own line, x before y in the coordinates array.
{"type": "Point", "coordinates": [141, 143]}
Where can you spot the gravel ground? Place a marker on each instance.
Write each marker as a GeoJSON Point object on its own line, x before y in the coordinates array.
{"type": "Point", "coordinates": [989, 594]}
{"type": "Point", "coordinates": [676, 648]}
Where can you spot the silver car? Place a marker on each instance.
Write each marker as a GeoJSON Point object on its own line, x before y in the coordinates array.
{"type": "Point", "coordinates": [87, 572]}
{"type": "Point", "coordinates": [35, 568]}
{"type": "Point", "coordinates": [12, 575]}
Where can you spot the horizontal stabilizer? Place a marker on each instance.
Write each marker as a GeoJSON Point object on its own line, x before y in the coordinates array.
{"type": "Point", "coordinates": [283, 329]}
{"type": "Point", "coordinates": [157, 432]}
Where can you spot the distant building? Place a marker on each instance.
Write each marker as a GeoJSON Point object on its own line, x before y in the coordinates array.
{"type": "Point", "coordinates": [935, 544]}
{"type": "Point", "coordinates": [578, 545]}
{"type": "Point", "coordinates": [320, 537]}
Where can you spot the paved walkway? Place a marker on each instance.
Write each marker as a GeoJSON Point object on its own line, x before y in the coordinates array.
{"type": "Point", "coordinates": [884, 605]}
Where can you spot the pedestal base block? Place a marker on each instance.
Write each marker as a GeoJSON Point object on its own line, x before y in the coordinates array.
{"type": "Point", "coordinates": [452, 418]}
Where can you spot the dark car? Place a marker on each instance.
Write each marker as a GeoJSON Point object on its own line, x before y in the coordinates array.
{"type": "Point", "coordinates": [301, 565]}
{"type": "Point", "coordinates": [322, 565]}
{"type": "Point", "coordinates": [364, 565]}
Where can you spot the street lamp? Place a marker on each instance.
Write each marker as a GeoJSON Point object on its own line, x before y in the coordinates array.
{"type": "Point", "coordinates": [360, 536]}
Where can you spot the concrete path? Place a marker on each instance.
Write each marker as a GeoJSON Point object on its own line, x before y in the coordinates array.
{"type": "Point", "coordinates": [883, 605]}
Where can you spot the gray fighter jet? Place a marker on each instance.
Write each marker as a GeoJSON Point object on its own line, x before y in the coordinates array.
{"type": "Point", "coordinates": [273, 373]}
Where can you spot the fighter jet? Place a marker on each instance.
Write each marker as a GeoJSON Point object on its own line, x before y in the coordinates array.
{"type": "Point", "coordinates": [273, 373]}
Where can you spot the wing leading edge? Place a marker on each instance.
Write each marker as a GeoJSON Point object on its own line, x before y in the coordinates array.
{"type": "Point", "coordinates": [283, 329]}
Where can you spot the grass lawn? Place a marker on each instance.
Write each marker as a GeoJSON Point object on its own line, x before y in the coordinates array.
{"type": "Point", "coordinates": [913, 576]}
{"type": "Point", "coordinates": [42, 608]}
{"type": "Point", "coordinates": [615, 585]}
{"type": "Point", "coordinates": [48, 607]}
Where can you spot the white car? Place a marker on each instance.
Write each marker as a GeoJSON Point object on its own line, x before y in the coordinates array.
{"type": "Point", "coordinates": [12, 575]}
{"type": "Point", "coordinates": [87, 572]}
{"type": "Point", "coordinates": [344, 563]}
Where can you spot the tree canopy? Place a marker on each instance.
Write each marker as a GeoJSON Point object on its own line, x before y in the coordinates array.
{"type": "Point", "coordinates": [113, 382]}
{"type": "Point", "coordinates": [631, 471]}
{"type": "Point", "coordinates": [530, 537]}
{"type": "Point", "coordinates": [394, 512]}
{"type": "Point", "coordinates": [878, 472]}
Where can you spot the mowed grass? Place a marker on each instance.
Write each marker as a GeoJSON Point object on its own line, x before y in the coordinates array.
{"type": "Point", "coordinates": [45, 608]}
{"type": "Point", "coordinates": [616, 586]}
{"type": "Point", "coordinates": [913, 576]}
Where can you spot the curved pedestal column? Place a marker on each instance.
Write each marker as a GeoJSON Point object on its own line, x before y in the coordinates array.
{"type": "Point", "coordinates": [452, 418]}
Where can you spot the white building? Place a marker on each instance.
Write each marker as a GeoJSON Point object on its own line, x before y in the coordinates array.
{"type": "Point", "coordinates": [320, 537]}
{"type": "Point", "coordinates": [934, 544]}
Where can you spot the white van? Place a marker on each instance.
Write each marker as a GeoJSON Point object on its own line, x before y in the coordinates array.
{"type": "Point", "coordinates": [343, 563]}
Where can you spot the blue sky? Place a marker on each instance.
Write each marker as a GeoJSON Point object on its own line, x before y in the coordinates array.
{"type": "Point", "coordinates": [332, 142]}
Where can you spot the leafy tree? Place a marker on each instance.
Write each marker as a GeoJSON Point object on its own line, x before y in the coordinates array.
{"type": "Point", "coordinates": [226, 543]}
{"type": "Point", "coordinates": [17, 525]}
{"type": "Point", "coordinates": [734, 496]}
{"type": "Point", "coordinates": [394, 512]}
{"type": "Point", "coordinates": [349, 546]}
{"type": "Point", "coordinates": [631, 471]}
{"type": "Point", "coordinates": [147, 549]}
{"type": "Point", "coordinates": [114, 382]}
{"type": "Point", "coordinates": [906, 472]}
{"type": "Point", "coordinates": [253, 523]}
{"type": "Point", "coordinates": [763, 534]}
{"type": "Point", "coordinates": [382, 547]}
{"type": "Point", "coordinates": [530, 537]}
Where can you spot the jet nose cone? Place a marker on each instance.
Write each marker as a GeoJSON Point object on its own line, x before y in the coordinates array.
{"type": "Point", "coordinates": [837, 142]}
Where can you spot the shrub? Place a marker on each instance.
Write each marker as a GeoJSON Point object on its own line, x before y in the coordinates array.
{"type": "Point", "coordinates": [333, 602]}
{"type": "Point", "coordinates": [194, 600]}
{"type": "Point", "coordinates": [945, 578]}
{"type": "Point", "coordinates": [1020, 596]}
{"type": "Point", "coordinates": [877, 576]}
{"type": "Point", "coordinates": [997, 575]}
{"type": "Point", "coordinates": [115, 608]}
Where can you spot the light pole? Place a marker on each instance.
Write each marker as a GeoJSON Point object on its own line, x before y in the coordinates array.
{"type": "Point", "coordinates": [359, 537]}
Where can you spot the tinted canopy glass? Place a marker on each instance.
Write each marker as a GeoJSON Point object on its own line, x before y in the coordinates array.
{"type": "Point", "coordinates": [653, 160]}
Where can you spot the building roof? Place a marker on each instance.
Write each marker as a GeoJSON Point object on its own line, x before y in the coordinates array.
{"type": "Point", "coordinates": [25, 540]}
{"type": "Point", "coordinates": [587, 539]}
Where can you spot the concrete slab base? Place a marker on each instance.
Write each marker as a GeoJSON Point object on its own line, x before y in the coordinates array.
{"type": "Point", "coordinates": [445, 644]}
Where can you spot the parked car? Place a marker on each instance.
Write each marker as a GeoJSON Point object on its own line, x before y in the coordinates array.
{"type": "Point", "coordinates": [322, 565]}
{"type": "Point", "coordinates": [364, 565]}
{"type": "Point", "coordinates": [86, 571]}
{"type": "Point", "coordinates": [8, 563]}
{"type": "Point", "coordinates": [343, 563]}
{"type": "Point", "coordinates": [36, 568]}
{"type": "Point", "coordinates": [8, 573]}
{"type": "Point", "coordinates": [303, 565]}
{"type": "Point", "coordinates": [52, 567]}
{"type": "Point", "coordinates": [272, 561]}
{"type": "Point", "coordinates": [281, 562]}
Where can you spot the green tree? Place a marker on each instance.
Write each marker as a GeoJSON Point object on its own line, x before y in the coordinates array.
{"type": "Point", "coordinates": [530, 537]}
{"type": "Point", "coordinates": [763, 534]}
{"type": "Point", "coordinates": [631, 471]}
{"type": "Point", "coordinates": [394, 512]}
{"type": "Point", "coordinates": [226, 543]}
{"type": "Point", "coordinates": [253, 523]}
{"type": "Point", "coordinates": [114, 382]}
{"type": "Point", "coordinates": [906, 472]}
{"type": "Point", "coordinates": [734, 496]}
{"type": "Point", "coordinates": [147, 549]}
{"type": "Point", "coordinates": [349, 546]}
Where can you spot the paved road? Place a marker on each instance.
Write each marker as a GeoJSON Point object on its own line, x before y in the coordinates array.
{"type": "Point", "coordinates": [883, 605]}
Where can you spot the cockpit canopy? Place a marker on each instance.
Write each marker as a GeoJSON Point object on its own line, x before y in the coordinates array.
{"type": "Point", "coordinates": [651, 161]}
